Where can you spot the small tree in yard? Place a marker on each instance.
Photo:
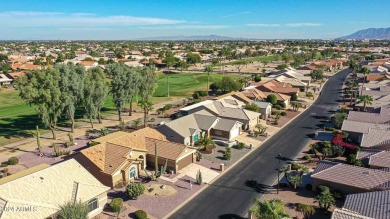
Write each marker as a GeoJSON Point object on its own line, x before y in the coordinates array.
{"type": "Point", "coordinates": [76, 210]}
{"type": "Point", "coordinates": [134, 190]}
{"type": "Point", "coordinates": [338, 119]}
{"type": "Point", "coordinates": [228, 154]}
{"type": "Point", "coordinates": [257, 78]}
{"type": "Point", "coordinates": [252, 107]}
{"type": "Point", "coordinates": [272, 99]}
{"type": "Point", "coordinates": [269, 209]}
{"type": "Point", "coordinates": [136, 123]}
{"type": "Point", "coordinates": [206, 143]}
{"type": "Point", "coordinates": [294, 97]}
{"type": "Point", "coordinates": [116, 205]}
{"type": "Point", "coordinates": [296, 180]}
{"type": "Point", "coordinates": [306, 210]}
{"type": "Point", "coordinates": [325, 199]}
{"type": "Point", "coordinates": [199, 178]}
{"type": "Point", "coordinates": [310, 95]}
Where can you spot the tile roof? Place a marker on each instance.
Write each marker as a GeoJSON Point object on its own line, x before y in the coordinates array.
{"type": "Point", "coordinates": [231, 113]}
{"type": "Point", "coordinates": [254, 93]}
{"type": "Point", "coordinates": [167, 149]}
{"type": "Point", "coordinates": [323, 165]}
{"type": "Point", "coordinates": [358, 177]}
{"type": "Point", "coordinates": [225, 124]}
{"type": "Point", "coordinates": [376, 137]}
{"type": "Point", "coordinates": [346, 214]}
{"type": "Point", "coordinates": [371, 204]}
{"type": "Point", "coordinates": [380, 159]}
{"type": "Point", "coordinates": [383, 117]}
{"type": "Point", "coordinates": [278, 87]}
{"type": "Point", "coordinates": [361, 127]}
{"type": "Point", "coordinates": [48, 189]}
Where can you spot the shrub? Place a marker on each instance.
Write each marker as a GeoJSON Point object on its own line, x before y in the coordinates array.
{"type": "Point", "coordinates": [309, 187]}
{"type": "Point", "coordinates": [228, 154]}
{"type": "Point", "coordinates": [198, 156]}
{"type": "Point", "coordinates": [202, 93]}
{"type": "Point", "coordinates": [3, 165]}
{"type": "Point", "coordinates": [196, 95]}
{"type": "Point", "coordinates": [168, 106]}
{"type": "Point", "coordinates": [93, 143]}
{"type": "Point", "coordinates": [308, 158]}
{"type": "Point", "coordinates": [294, 97]}
{"type": "Point", "coordinates": [295, 166]}
{"type": "Point", "coordinates": [196, 101]}
{"type": "Point", "coordinates": [135, 190]}
{"type": "Point", "coordinates": [257, 78]}
{"type": "Point", "coordinates": [122, 126]}
{"type": "Point", "coordinates": [278, 107]}
{"type": "Point", "coordinates": [240, 145]}
{"type": "Point", "coordinates": [283, 113]}
{"type": "Point", "coordinates": [13, 160]}
{"type": "Point", "coordinates": [141, 214]}
{"type": "Point", "coordinates": [116, 204]}
{"type": "Point", "coordinates": [283, 105]}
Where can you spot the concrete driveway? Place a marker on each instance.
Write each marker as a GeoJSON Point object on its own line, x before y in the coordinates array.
{"type": "Point", "coordinates": [207, 174]}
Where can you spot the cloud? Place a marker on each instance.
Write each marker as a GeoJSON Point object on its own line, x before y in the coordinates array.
{"type": "Point", "coordinates": [286, 25]}
{"type": "Point", "coordinates": [183, 27]}
{"type": "Point", "coordinates": [263, 25]}
{"type": "Point", "coordinates": [303, 24]}
{"type": "Point", "coordinates": [55, 19]}
{"type": "Point", "coordinates": [238, 14]}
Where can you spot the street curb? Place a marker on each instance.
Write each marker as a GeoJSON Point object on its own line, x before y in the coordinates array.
{"type": "Point", "coordinates": [237, 162]}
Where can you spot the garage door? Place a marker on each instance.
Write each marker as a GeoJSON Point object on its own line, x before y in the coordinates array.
{"type": "Point", "coordinates": [234, 133]}
{"type": "Point", "coordinates": [184, 162]}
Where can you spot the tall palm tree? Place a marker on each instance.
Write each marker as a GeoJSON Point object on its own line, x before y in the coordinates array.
{"type": "Point", "coordinates": [209, 69]}
{"type": "Point", "coordinates": [306, 210]}
{"type": "Point", "coordinates": [365, 70]}
{"type": "Point", "coordinates": [269, 209]}
{"type": "Point", "coordinates": [365, 99]}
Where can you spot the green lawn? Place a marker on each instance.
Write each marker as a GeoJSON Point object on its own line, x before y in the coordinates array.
{"type": "Point", "coordinates": [251, 59]}
{"type": "Point", "coordinates": [17, 118]}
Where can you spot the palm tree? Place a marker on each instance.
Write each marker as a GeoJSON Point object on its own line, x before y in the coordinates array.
{"type": "Point", "coordinates": [206, 143]}
{"type": "Point", "coordinates": [365, 72]}
{"type": "Point", "coordinates": [269, 209]}
{"type": "Point", "coordinates": [76, 210]}
{"type": "Point", "coordinates": [325, 199]}
{"type": "Point", "coordinates": [209, 69]}
{"type": "Point", "coordinates": [365, 99]}
{"type": "Point", "coordinates": [306, 210]}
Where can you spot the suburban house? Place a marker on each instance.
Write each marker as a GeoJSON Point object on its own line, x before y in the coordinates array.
{"type": "Point", "coordinates": [369, 205]}
{"type": "Point", "coordinates": [265, 109]}
{"type": "Point", "coordinates": [189, 129]}
{"type": "Point", "coordinates": [375, 159]}
{"type": "Point", "coordinates": [4, 80]}
{"type": "Point", "coordinates": [381, 117]}
{"type": "Point", "coordinates": [233, 100]}
{"type": "Point", "coordinates": [18, 66]}
{"type": "Point", "coordinates": [254, 94]}
{"type": "Point", "coordinates": [120, 156]}
{"type": "Point", "coordinates": [88, 64]}
{"type": "Point", "coordinates": [367, 134]}
{"type": "Point", "coordinates": [194, 107]}
{"type": "Point", "coordinates": [40, 191]}
{"type": "Point", "coordinates": [294, 82]}
{"type": "Point", "coordinates": [349, 179]}
{"type": "Point", "coordinates": [278, 87]}
{"type": "Point", "coordinates": [376, 104]}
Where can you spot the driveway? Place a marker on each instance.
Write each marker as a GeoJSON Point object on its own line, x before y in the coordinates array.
{"type": "Point", "coordinates": [232, 194]}
{"type": "Point", "coordinates": [191, 170]}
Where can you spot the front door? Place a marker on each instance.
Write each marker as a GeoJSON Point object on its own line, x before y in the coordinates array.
{"type": "Point", "coordinates": [196, 137]}
{"type": "Point", "coordinates": [132, 173]}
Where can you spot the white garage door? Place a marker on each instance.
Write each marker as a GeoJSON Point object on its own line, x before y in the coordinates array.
{"type": "Point", "coordinates": [234, 133]}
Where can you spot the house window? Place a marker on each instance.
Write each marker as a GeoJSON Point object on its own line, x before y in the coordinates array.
{"type": "Point", "coordinates": [132, 173]}
{"type": "Point", "coordinates": [93, 204]}
{"type": "Point", "coordinates": [217, 132]}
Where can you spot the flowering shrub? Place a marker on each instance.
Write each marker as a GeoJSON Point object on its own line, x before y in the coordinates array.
{"type": "Point", "coordinates": [338, 139]}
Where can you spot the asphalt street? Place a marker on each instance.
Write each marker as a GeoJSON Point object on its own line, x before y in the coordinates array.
{"type": "Point", "coordinates": [231, 195]}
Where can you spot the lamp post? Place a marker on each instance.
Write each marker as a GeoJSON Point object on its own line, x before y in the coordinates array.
{"type": "Point", "coordinates": [277, 186]}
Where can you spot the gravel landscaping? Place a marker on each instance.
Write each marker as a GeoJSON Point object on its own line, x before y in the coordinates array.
{"type": "Point", "coordinates": [217, 156]}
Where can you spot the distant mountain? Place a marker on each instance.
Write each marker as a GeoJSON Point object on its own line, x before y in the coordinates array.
{"type": "Point", "coordinates": [182, 37]}
{"type": "Point", "coordinates": [371, 33]}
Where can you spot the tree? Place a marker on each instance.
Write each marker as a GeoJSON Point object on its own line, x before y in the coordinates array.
{"type": "Point", "coordinates": [209, 69]}
{"type": "Point", "coordinates": [192, 58]}
{"type": "Point", "coordinates": [240, 64]}
{"type": "Point", "coordinates": [265, 62]}
{"type": "Point", "coordinates": [182, 65]}
{"type": "Point", "coordinates": [325, 199]}
{"type": "Point", "coordinates": [214, 86]}
{"type": "Point", "coordinates": [95, 93]}
{"type": "Point", "coordinates": [227, 84]}
{"type": "Point", "coordinates": [72, 87]}
{"type": "Point", "coordinates": [317, 74]}
{"type": "Point", "coordinates": [296, 180]}
{"type": "Point", "coordinates": [120, 84]}
{"type": "Point", "coordinates": [338, 119]}
{"type": "Point", "coordinates": [133, 85]}
{"type": "Point", "coordinates": [206, 143]}
{"type": "Point", "coordinates": [310, 95]}
{"type": "Point", "coordinates": [281, 66]}
{"type": "Point", "coordinates": [365, 70]}
{"type": "Point", "coordinates": [269, 209]}
{"type": "Point", "coordinates": [257, 78]}
{"type": "Point", "coordinates": [76, 210]}
{"type": "Point", "coordinates": [296, 106]}
{"type": "Point", "coordinates": [306, 210]}
{"type": "Point", "coordinates": [147, 86]}
{"type": "Point", "coordinates": [252, 107]}
{"type": "Point", "coordinates": [366, 100]}
{"type": "Point", "coordinates": [42, 89]}
{"type": "Point", "coordinates": [272, 99]}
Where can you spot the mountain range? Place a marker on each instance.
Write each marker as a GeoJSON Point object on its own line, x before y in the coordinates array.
{"type": "Point", "coordinates": [370, 33]}
{"type": "Point", "coordinates": [185, 38]}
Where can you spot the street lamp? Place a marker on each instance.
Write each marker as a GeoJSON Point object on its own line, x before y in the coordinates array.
{"type": "Point", "coordinates": [277, 186]}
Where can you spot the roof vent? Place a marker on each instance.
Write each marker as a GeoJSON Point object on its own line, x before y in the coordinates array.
{"type": "Point", "coordinates": [110, 165]}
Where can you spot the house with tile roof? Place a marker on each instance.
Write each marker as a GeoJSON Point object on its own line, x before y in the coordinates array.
{"type": "Point", "coordinates": [189, 129]}
{"type": "Point", "coordinates": [39, 192]}
{"type": "Point", "coordinates": [366, 134]}
{"type": "Point", "coordinates": [367, 205]}
{"type": "Point", "coordinates": [278, 87]}
{"type": "Point", "coordinates": [120, 156]}
{"type": "Point", "coordinates": [349, 179]}
{"type": "Point", "coordinates": [375, 159]}
{"type": "Point", "coordinates": [380, 117]}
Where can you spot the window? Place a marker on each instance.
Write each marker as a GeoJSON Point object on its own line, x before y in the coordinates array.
{"type": "Point", "coordinates": [132, 173]}
{"type": "Point", "coordinates": [93, 204]}
{"type": "Point", "coordinates": [217, 132]}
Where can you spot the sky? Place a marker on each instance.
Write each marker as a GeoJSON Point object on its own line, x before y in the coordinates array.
{"type": "Point", "coordinates": [129, 19]}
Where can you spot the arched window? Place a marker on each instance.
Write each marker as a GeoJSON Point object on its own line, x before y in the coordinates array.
{"type": "Point", "coordinates": [132, 173]}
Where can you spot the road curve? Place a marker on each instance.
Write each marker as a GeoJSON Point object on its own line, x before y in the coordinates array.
{"type": "Point", "coordinates": [231, 195]}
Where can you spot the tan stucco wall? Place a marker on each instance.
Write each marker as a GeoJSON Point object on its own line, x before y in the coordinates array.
{"type": "Point", "coordinates": [102, 202]}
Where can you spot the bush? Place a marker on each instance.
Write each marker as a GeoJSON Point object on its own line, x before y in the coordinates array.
{"type": "Point", "coordinates": [141, 214]}
{"type": "Point", "coordinates": [228, 154]}
{"type": "Point", "coordinates": [13, 161]}
{"type": "Point", "coordinates": [3, 165]}
{"type": "Point", "coordinates": [198, 156]}
{"type": "Point", "coordinates": [295, 166]}
{"type": "Point", "coordinates": [278, 107]}
{"type": "Point", "coordinates": [135, 190]}
{"type": "Point", "coordinates": [257, 78]}
{"type": "Point", "coordinates": [196, 101]}
{"type": "Point", "coordinates": [283, 105]}
{"type": "Point", "coordinates": [116, 204]}
{"type": "Point", "coordinates": [308, 158]}
{"type": "Point", "coordinates": [196, 95]}
{"type": "Point", "coordinates": [202, 93]}
{"type": "Point", "coordinates": [309, 187]}
{"type": "Point", "coordinates": [283, 113]}
{"type": "Point", "coordinates": [294, 97]}
{"type": "Point", "coordinates": [272, 99]}
{"type": "Point", "coordinates": [168, 106]}
{"type": "Point", "coordinates": [93, 143]}
{"type": "Point", "coordinates": [240, 145]}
